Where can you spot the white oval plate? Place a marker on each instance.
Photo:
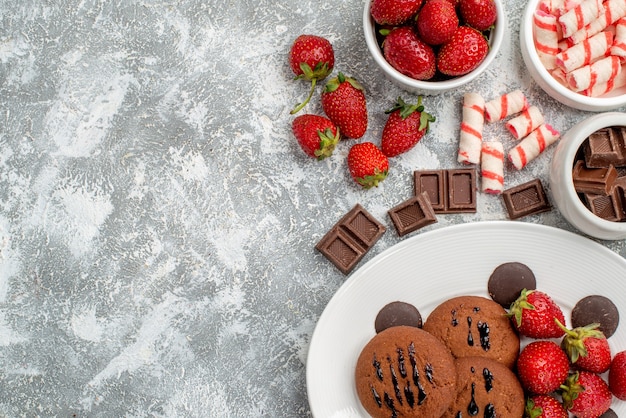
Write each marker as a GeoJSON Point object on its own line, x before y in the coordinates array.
{"type": "Point", "coordinates": [434, 266]}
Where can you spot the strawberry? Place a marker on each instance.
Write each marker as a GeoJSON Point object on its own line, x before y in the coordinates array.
{"type": "Point", "coordinates": [405, 126]}
{"type": "Point", "coordinates": [617, 376]}
{"type": "Point", "coordinates": [542, 367]}
{"type": "Point", "coordinates": [533, 314]}
{"type": "Point", "coordinates": [408, 54]}
{"type": "Point", "coordinates": [311, 58]}
{"type": "Point", "coordinates": [367, 164]}
{"type": "Point", "coordinates": [587, 348]}
{"type": "Point", "coordinates": [437, 21]}
{"type": "Point", "coordinates": [463, 53]}
{"type": "Point", "coordinates": [479, 14]}
{"type": "Point", "coordinates": [316, 135]}
{"type": "Point", "coordinates": [586, 395]}
{"type": "Point", "coordinates": [544, 406]}
{"type": "Point", "coordinates": [343, 101]}
{"type": "Point", "coordinates": [393, 12]}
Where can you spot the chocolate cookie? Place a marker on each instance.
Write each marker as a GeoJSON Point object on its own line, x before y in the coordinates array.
{"type": "Point", "coordinates": [508, 280]}
{"type": "Point", "coordinates": [405, 372]}
{"type": "Point", "coordinates": [486, 388]}
{"type": "Point", "coordinates": [475, 326]}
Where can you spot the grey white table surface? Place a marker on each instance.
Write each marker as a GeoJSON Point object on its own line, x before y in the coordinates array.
{"type": "Point", "coordinates": [157, 218]}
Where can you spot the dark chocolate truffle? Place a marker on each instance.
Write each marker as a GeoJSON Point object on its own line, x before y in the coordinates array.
{"type": "Point", "coordinates": [508, 280]}
{"type": "Point", "coordinates": [599, 309]}
{"type": "Point", "coordinates": [397, 313]}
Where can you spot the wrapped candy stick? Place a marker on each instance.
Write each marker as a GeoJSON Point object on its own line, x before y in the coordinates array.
{"type": "Point", "coordinates": [580, 16]}
{"type": "Point", "coordinates": [608, 86]}
{"type": "Point", "coordinates": [553, 7]}
{"type": "Point", "coordinates": [612, 11]}
{"type": "Point", "coordinates": [526, 122]}
{"type": "Point", "coordinates": [597, 72]}
{"type": "Point", "coordinates": [585, 52]}
{"type": "Point", "coordinates": [472, 122]}
{"type": "Point", "coordinates": [619, 44]}
{"type": "Point", "coordinates": [533, 145]}
{"type": "Point", "coordinates": [546, 33]}
{"type": "Point", "coordinates": [492, 167]}
{"type": "Point", "coordinates": [506, 105]}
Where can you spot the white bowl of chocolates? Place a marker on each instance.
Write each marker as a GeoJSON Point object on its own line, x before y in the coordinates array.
{"type": "Point", "coordinates": [378, 26]}
{"type": "Point", "coordinates": [575, 55]}
{"type": "Point", "coordinates": [588, 176]}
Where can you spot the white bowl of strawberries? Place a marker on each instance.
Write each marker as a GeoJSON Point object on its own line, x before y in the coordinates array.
{"type": "Point", "coordinates": [432, 46]}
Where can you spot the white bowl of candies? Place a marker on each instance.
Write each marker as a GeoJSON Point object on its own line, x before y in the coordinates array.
{"type": "Point", "coordinates": [574, 51]}
{"type": "Point", "coordinates": [429, 47]}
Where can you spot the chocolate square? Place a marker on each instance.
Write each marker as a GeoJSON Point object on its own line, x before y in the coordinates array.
{"type": "Point", "coordinates": [525, 199]}
{"type": "Point", "coordinates": [593, 180]}
{"type": "Point", "coordinates": [461, 190]}
{"type": "Point", "coordinates": [350, 238]}
{"type": "Point", "coordinates": [432, 182]}
{"type": "Point", "coordinates": [412, 214]}
{"type": "Point", "coordinates": [605, 147]}
{"type": "Point", "coordinates": [609, 207]}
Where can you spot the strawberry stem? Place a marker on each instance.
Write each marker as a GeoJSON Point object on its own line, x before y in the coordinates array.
{"type": "Point", "coordinates": [300, 106]}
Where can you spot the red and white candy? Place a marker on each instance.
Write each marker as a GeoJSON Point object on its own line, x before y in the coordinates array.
{"type": "Point", "coordinates": [472, 122]}
{"type": "Point", "coordinates": [533, 145]}
{"type": "Point", "coordinates": [504, 106]}
{"type": "Point", "coordinates": [492, 167]}
{"type": "Point", "coordinates": [526, 122]}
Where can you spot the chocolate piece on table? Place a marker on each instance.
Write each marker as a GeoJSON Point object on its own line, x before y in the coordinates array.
{"type": "Point", "coordinates": [596, 309]}
{"type": "Point", "coordinates": [449, 191]}
{"type": "Point", "coordinates": [350, 238]}
{"type": "Point", "coordinates": [461, 190]}
{"type": "Point", "coordinates": [432, 182]}
{"type": "Point", "coordinates": [396, 314]}
{"type": "Point", "coordinates": [593, 180]}
{"type": "Point", "coordinates": [605, 147]}
{"type": "Point", "coordinates": [525, 199]}
{"type": "Point", "coordinates": [609, 207]}
{"type": "Point", "coordinates": [412, 214]}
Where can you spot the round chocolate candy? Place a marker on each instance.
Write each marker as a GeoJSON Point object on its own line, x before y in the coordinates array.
{"type": "Point", "coordinates": [508, 280]}
{"type": "Point", "coordinates": [397, 313]}
{"type": "Point", "coordinates": [596, 309]}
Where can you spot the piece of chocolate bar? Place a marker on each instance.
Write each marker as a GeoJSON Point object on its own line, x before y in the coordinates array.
{"type": "Point", "coordinates": [433, 182]}
{"type": "Point", "coordinates": [609, 207]}
{"type": "Point", "coordinates": [412, 214]}
{"type": "Point", "coordinates": [525, 199]}
{"type": "Point", "coordinates": [449, 191]}
{"type": "Point", "coordinates": [605, 147]}
{"type": "Point", "coordinates": [593, 180]}
{"type": "Point", "coordinates": [350, 238]}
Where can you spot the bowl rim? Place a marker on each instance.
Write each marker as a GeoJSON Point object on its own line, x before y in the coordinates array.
{"type": "Point", "coordinates": [526, 33]}
{"type": "Point", "coordinates": [574, 138]}
{"type": "Point", "coordinates": [495, 41]}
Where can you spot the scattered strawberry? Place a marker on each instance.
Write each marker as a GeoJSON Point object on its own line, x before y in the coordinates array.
{"type": "Point", "coordinates": [316, 135]}
{"type": "Point", "coordinates": [479, 14]}
{"type": "Point", "coordinates": [367, 164]}
{"type": "Point", "coordinates": [437, 21]}
{"type": "Point", "coordinates": [586, 395]}
{"type": "Point", "coordinates": [587, 348]}
{"type": "Point", "coordinates": [343, 101]}
{"type": "Point", "coordinates": [408, 54]}
{"type": "Point", "coordinates": [405, 126]}
{"type": "Point", "coordinates": [533, 314]}
{"type": "Point", "coordinates": [311, 58]}
{"type": "Point", "coordinates": [542, 367]}
{"type": "Point", "coordinates": [617, 376]}
{"type": "Point", "coordinates": [463, 53]}
{"type": "Point", "coordinates": [393, 12]}
{"type": "Point", "coordinates": [544, 406]}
